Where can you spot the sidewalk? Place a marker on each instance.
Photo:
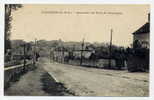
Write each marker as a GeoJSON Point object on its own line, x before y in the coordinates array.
{"type": "Point", "coordinates": [28, 85]}
{"type": "Point", "coordinates": [36, 83]}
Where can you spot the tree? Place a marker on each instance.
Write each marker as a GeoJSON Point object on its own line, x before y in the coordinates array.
{"type": "Point", "coordinates": [8, 18]}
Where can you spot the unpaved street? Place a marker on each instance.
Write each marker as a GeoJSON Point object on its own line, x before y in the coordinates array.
{"type": "Point", "coordinates": [98, 82]}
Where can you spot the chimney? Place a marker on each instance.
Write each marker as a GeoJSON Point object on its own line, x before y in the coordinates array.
{"type": "Point", "coordinates": [149, 17]}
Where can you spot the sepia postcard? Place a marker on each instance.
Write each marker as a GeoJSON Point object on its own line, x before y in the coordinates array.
{"type": "Point", "coordinates": [77, 50]}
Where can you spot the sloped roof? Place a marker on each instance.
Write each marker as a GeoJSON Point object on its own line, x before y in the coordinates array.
{"type": "Point", "coordinates": [144, 29]}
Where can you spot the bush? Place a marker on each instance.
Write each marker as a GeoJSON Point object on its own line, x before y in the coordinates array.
{"type": "Point", "coordinates": [137, 58]}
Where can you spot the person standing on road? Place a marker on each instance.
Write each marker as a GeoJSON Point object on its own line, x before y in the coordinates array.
{"type": "Point", "coordinates": [37, 56]}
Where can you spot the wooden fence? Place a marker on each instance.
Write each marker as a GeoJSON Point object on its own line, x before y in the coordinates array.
{"type": "Point", "coordinates": [13, 72]}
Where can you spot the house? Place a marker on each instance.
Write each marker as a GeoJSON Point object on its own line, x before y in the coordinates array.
{"type": "Point", "coordinates": [143, 34]}
{"type": "Point", "coordinates": [138, 60]}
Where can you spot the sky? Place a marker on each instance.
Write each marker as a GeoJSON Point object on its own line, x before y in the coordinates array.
{"type": "Point", "coordinates": [75, 22]}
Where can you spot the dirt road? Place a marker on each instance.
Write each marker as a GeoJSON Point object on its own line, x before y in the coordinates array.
{"type": "Point", "coordinates": [98, 82]}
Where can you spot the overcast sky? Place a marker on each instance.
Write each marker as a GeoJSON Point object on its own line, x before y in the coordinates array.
{"type": "Point", "coordinates": [65, 22]}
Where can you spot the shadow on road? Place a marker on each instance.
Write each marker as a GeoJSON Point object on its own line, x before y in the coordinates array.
{"type": "Point", "coordinates": [54, 89]}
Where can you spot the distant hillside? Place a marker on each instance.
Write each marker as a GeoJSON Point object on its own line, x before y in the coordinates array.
{"type": "Point", "coordinates": [44, 47]}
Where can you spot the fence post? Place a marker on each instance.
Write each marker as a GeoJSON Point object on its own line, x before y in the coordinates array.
{"type": "Point", "coordinates": [24, 57]}
{"type": "Point", "coordinates": [82, 45]}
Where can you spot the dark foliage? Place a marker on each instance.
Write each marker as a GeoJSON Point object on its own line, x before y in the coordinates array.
{"type": "Point", "coordinates": [137, 58]}
{"type": "Point", "coordinates": [8, 18]}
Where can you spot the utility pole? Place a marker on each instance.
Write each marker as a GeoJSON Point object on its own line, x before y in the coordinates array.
{"type": "Point", "coordinates": [34, 55]}
{"type": "Point", "coordinates": [73, 50]}
{"type": "Point", "coordinates": [50, 55]}
{"type": "Point", "coordinates": [24, 54]}
{"type": "Point", "coordinates": [82, 45]}
{"type": "Point", "coordinates": [53, 54]}
{"type": "Point", "coordinates": [110, 49]}
{"type": "Point", "coordinates": [63, 54]}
